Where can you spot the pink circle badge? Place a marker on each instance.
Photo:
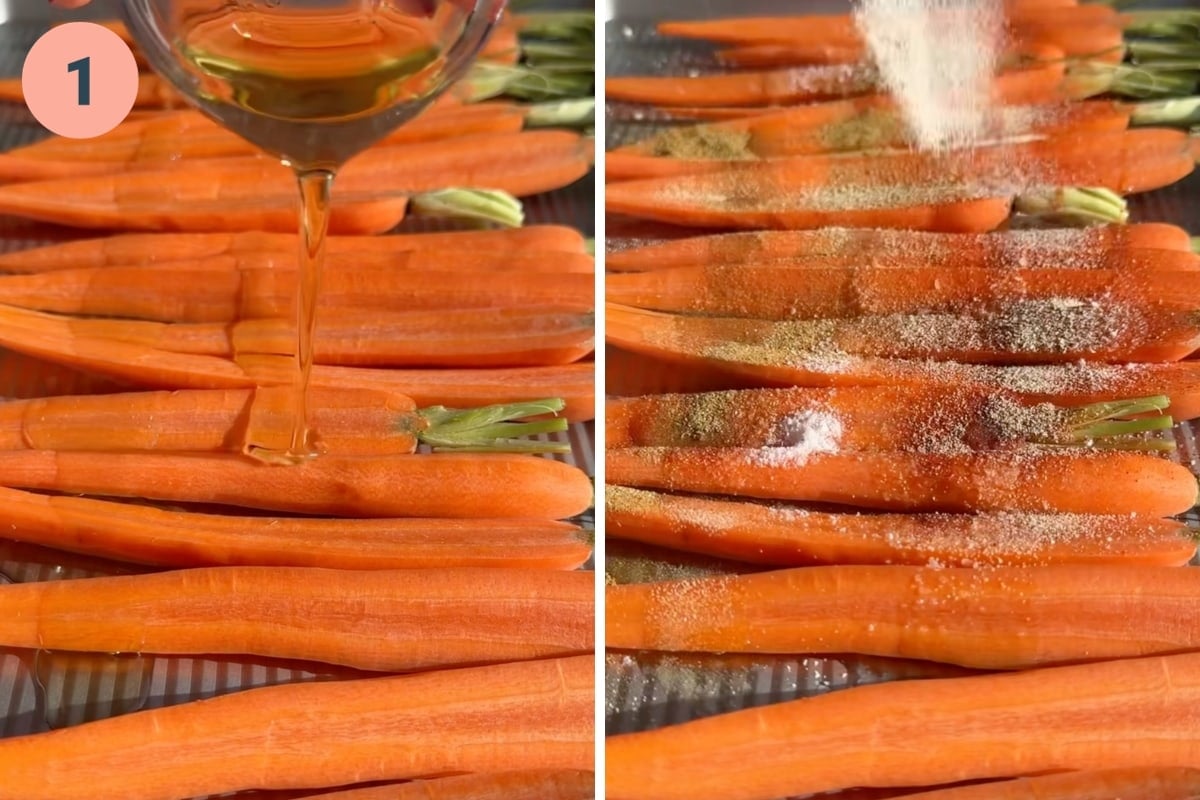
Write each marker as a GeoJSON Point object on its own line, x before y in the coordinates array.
{"type": "Point", "coordinates": [80, 80]}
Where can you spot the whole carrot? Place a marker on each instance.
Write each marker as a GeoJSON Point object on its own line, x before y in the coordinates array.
{"type": "Point", "coordinates": [1145, 783]}
{"type": "Point", "coordinates": [132, 249]}
{"type": "Point", "coordinates": [1085, 248]}
{"type": "Point", "coordinates": [388, 621]}
{"type": "Point", "coordinates": [1056, 331]}
{"type": "Point", "coordinates": [871, 418]}
{"type": "Point", "coordinates": [1035, 481]}
{"type": "Point", "coordinates": [830, 291]}
{"type": "Point", "coordinates": [143, 534]}
{"type": "Point", "coordinates": [534, 715]}
{"type": "Point", "coordinates": [434, 485]}
{"type": "Point", "coordinates": [995, 618]}
{"type": "Point", "coordinates": [783, 535]}
{"type": "Point", "coordinates": [349, 422]}
{"type": "Point", "coordinates": [959, 729]}
{"type": "Point", "coordinates": [521, 336]}
{"type": "Point", "coordinates": [530, 785]}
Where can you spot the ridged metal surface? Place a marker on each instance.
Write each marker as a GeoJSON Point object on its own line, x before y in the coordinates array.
{"type": "Point", "coordinates": [644, 691]}
{"type": "Point", "coordinates": [40, 691]}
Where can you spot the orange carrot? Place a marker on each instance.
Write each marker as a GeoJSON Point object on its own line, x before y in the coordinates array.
{"type": "Point", "coordinates": [348, 422]}
{"type": "Point", "coordinates": [532, 785]}
{"type": "Point", "coordinates": [388, 621]}
{"type": "Point", "coordinates": [1033, 481]}
{"type": "Point", "coordinates": [457, 485]}
{"type": "Point", "coordinates": [142, 534]}
{"type": "Point", "coordinates": [223, 295]}
{"type": "Point", "coordinates": [995, 618]}
{"type": "Point", "coordinates": [789, 536]}
{"type": "Point", "coordinates": [259, 194]}
{"type": "Point", "coordinates": [522, 336]}
{"type": "Point", "coordinates": [1149, 783]}
{"type": "Point", "coordinates": [784, 292]}
{"type": "Point", "coordinates": [1086, 248]}
{"type": "Point", "coordinates": [771, 87]}
{"type": "Point", "coordinates": [880, 418]}
{"type": "Point", "coordinates": [534, 715]}
{"type": "Point", "coordinates": [1033, 332]}
{"type": "Point", "coordinates": [956, 729]}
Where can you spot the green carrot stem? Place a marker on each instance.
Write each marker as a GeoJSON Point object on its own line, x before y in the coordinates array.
{"type": "Point", "coordinates": [571, 113]}
{"type": "Point", "coordinates": [1167, 23]}
{"type": "Point", "coordinates": [471, 205]}
{"type": "Point", "coordinates": [1077, 207]}
{"type": "Point", "coordinates": [1152, 51]}
{"type": "Point", "coordinates": [1180, 112]}
{"type": "Point", "coordinates": [493, 428]}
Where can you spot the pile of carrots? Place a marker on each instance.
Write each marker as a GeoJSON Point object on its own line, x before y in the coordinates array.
{"type": "Point", "coordinates": [433, 549]}
{"type": "Point", "coordinates": [907, 404]}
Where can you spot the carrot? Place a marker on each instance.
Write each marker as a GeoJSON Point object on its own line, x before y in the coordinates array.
{"type": "Point", "coordinates": [1021, 332]}
{"type": "Point", "coordinates": [132, 249]}
{"type": "Point", "coordinates": [349, 422]}
{"type": "Point", "coordinates": [501, 337]}
{"type": "Point", "coordinates": [52, 338]}
{"type": "Point", "coordinates": [872, 418]}
{"type": "Point", "coordinates": [175, 141]}
{"type": "Point", "coordinates": [531, 785]}
{"type": "Point", "coordinates": [772, 87]}
{"type": "Point", "coordinates": [223, 295]}
{"type": "Point", "coordinates": [1087, 248]}
{"type": "Point", "coordinates": [142, 534]}
{"type": "Point", "coordinates": [1033, 481]}
{"type": "Point", "coordinates": [995, 618]}
{"type": "Point", "coordinates": [781, 293]}
{"type": "Point", "coordinates": [388, 621]}
{"type": "Point", "coordinates": [512, 716]}
{"type": "Point", "coordinates": [922, 733]}
{"type": "Point", "coordinates": [457, 485]}
{"type": "Point", "coordinates": [789, 536]}
{"type": "Point", "coordinates": [1148, 783]}
{"type": "Point", "coordinates": [259, 194]}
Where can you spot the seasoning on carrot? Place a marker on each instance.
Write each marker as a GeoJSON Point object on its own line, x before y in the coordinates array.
{"type": "Point", "coordinates": [535, 715]}
{"type": "Point", "coordinates": [924, 733]}
{"type": "Point", "coordinates": [785, 535]}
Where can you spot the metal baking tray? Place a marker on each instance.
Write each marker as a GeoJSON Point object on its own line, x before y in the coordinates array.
{"type": "Point", "coordinates": [41, 691]}
{"type": "Point", "coordinates": [644, 691]}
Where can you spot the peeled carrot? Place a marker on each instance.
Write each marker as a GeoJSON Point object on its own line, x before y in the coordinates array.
{"type": "Point", "coordinates": [1084, 248]}
{"type": "Point", "coordinates": [258, 194]}
{"type": "Point", "coordinates": [995, 618]}
{"type": "Point", "coordinates": [388, 621]}
{"type": "Point", "coordinates": [923, 733]}
{"type": "Point", "coordinates": [536, 715]}
{"type": "Point", "coordinates": [531, 785]}
{"type": "Point", "coordinates": [143, 534]}
{"type": "Point", "coordinates": [1147, 783]}
{"type": "Point", "coordinates": [781, 293]}
{"type": "Point", "coordinates": [772, 87]}
{"type": "Point", "coordinates": [1021, 332]}
{"type": "Point", "coordinates": [454, 485]}
{"type": "Point", "coordinates": [223, 295]}
{"type": "Point", "coordinates": [502, 337]}
{"type": "Point", "coordinates": [1031, 481]}
{"type": "Point", "coordinates": [879, 418]}
{"type": "Point", "coordinates": [790, 536]}
{"type": "Point", "coordinates": [133, 249]}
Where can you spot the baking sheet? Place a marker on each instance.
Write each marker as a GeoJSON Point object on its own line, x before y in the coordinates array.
{"type": "Point", "coordinates": [644, 692]}
{"type": "Point", "coordinates": [40, 691]}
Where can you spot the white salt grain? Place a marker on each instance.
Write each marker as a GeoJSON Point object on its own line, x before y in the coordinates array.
{"type": "Point", "coordinates": [800, 435]}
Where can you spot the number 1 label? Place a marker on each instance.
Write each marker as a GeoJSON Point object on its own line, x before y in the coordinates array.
{"type": "Point", "coordinates": [80, 80]}
{"type": "Point", "coordinates": [84, 67]}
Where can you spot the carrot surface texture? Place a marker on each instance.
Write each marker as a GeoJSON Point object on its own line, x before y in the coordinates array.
{"type": "Point", "coordinates": [529, 785]}
{"type": "Point", "coordinates": [873, 418]}
{"type": "Point", "coordinates": [1109, 715]}
{"type": "Point", "coordinates": [995, 618]}
{"type": "Point", "coordinates": [347, 423]}
{"type": "Point", "coordinates": [366, 619]}
{"type": "Point", "coordinates": [1036, 481]}
{"type": "Point", "coordinates": [535, 715]}
{"type": "Point", "coordinates": [783, 535]}
{"type": "Point", "coordinates": [458, 485]}
{"type": "Point", "coordinates": [1086, 248]}
{"type": "Point", "coordinates": [1146, 783]}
